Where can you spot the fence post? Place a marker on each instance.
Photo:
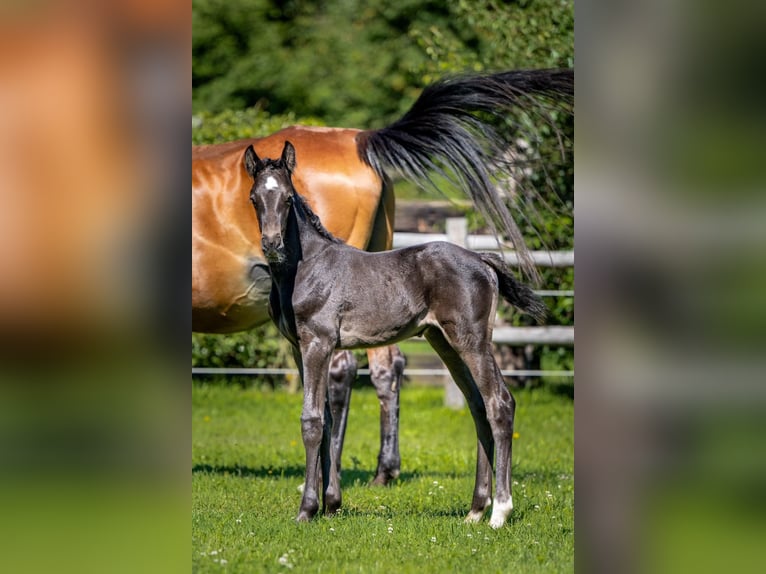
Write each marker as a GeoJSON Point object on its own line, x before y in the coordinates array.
{"type": "Point", "coordinates": [457, 232]}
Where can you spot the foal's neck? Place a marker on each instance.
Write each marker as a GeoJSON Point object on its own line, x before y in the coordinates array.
{"type": "Point", "coordinates": [304, 237]}
{"type": "Point", "coordinates": [312, 234]}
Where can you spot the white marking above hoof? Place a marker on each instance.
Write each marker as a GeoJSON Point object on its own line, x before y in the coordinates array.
{"type": "Point", "coordinates": [500, 511]}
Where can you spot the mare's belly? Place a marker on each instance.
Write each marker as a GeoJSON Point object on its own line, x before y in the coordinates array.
{"type": "Point", "coordinates": [237, 307]}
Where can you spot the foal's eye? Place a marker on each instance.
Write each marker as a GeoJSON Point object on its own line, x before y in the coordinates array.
{"type": "Point", "coordinates": [289, 200]}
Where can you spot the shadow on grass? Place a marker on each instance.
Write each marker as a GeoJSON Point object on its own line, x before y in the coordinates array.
{"type": "Point", "coordinates": [349, 477]}
{"type": "Point", "coordinates": [292, 471]}
{"type": "Point", "coordinates": [355, 476]}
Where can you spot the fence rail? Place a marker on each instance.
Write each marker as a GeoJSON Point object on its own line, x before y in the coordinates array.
{"type": "Point", "coordinates": [488, 243]}
{"type": "Point", "coordinates": [407, 371]}
{"type": "Point", "coordinates": [552, 335]}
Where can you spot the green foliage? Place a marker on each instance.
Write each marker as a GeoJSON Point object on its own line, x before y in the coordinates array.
{"type": "Point", "coordinates": [492, 35]}
{"type": "Point", "coordinates": [248, 461]}
{"type": "Point", "coordinates": [230, 125]}
{"type": "Point", "coordinates": [257, 348]}
{"type": "Point", "coordinates": [361, 64]}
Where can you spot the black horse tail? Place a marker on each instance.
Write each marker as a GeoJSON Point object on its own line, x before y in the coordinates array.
{"type": "Point", "coordinates": [517, 294]}
{"type": "Point", "coordinates": [451, 132]}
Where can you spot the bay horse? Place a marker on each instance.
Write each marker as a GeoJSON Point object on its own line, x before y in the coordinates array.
{"type": "Point", "coordinates": [345, 175]}
{"type": "Point", "coordinates": [327, 295]}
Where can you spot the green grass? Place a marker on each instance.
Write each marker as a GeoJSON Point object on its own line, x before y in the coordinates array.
{"type": "Point", "coordinates": [248, 462]}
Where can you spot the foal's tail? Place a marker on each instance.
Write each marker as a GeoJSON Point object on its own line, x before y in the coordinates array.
{"type": "Point", "coordinates": [451, 132]}
{"type": "Point", "coordinates": [517, 294]}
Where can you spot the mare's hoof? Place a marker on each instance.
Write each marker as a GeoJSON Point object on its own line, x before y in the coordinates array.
{"type": "Point", "coordinates": [384, 478]}
{"type": "Point", "coordinates": [379, 481]}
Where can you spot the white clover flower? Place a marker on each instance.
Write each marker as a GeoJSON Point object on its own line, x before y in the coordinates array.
{"type": "Point", "coordinates": [284, 560]}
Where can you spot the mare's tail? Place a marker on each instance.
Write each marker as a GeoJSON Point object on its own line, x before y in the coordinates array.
{"type": "Point", "coordinates": [517, 294]}
{"type": "Point", "coordinates": [450, 132]}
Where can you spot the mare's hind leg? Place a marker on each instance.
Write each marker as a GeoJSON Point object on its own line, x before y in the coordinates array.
{"type": "Point", "coordinates": [386, 371]}
{"type": "Point", "coordinates": [343, 369]}
{"type": "Point", "coordinates": [482, 493]}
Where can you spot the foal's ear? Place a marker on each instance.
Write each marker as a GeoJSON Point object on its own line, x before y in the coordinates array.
{"type": "Point", "coordinates": [288, 156]}
{"type": "Point", "coordinates": [252, 162]}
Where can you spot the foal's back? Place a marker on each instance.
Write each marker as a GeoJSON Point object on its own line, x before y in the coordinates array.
{"type": "Point", "coordinates": [376, 298]}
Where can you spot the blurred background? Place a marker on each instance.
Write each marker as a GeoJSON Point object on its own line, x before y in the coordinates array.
{"type": "Point", "coordinates": [671, 230]}
{"type": "Point", "coordinates": [94, 227]}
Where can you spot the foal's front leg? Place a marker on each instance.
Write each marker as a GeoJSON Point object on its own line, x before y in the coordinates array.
{"type": "Point", "coordinates": [315, 429]}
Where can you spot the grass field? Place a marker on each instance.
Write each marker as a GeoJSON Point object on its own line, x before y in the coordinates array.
{"type": "Point", "coordinates": [248, 462]}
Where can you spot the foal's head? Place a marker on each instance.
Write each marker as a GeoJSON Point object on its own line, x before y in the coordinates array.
{"type": "Point", "coordinates": [272, 196]}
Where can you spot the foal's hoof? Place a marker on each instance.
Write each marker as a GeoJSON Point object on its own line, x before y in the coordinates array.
{"type": "Point", "coordinates": [496, 523]}
{"type": "Point", "coordinates": [304, 517]}
{"type": "Point", "coordinates": [307, 512]}
{"type": "Point", "coordinates": [474, 516]}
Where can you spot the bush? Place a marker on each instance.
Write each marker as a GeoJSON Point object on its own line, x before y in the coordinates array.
{"type": "Point", "coordinates": [229, 125]}
{"type": "Point", "coordinates": [260, 347]}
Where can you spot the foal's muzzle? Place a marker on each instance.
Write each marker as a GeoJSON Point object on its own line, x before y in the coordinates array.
{"type": "Point", "coordinates": [273, 248]}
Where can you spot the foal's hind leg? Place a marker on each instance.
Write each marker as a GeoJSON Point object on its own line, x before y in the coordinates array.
{"type": "Point", "coordinates": [386, 372]}
{"type": "Point", "coordinates": [482, 493]}
{"type": "Point", "coordinates": [501, 409]}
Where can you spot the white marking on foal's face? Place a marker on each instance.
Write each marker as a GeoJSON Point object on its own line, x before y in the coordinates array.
{"type": "Point", "coordinates": [271, 183]}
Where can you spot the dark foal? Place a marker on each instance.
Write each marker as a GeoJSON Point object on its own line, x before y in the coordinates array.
{"type": "Point", "coordinates": [327, 295]}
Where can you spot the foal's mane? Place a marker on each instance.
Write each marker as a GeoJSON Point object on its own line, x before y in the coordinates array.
{"type": "Point", "coordinates": [313, 218]}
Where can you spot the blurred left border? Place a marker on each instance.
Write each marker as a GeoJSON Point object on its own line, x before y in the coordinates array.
{"type": "Point", "coordinates": [94, 226]}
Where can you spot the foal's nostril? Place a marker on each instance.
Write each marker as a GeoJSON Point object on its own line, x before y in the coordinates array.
{"type": "Point", "coordinates": [271, 243]}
